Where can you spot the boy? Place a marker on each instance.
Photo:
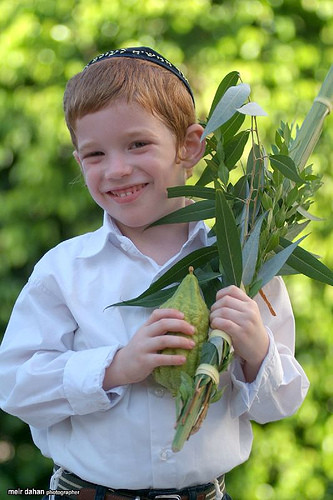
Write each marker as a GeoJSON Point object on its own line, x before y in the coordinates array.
{"type": "Point", "coordinates": [78, 374]}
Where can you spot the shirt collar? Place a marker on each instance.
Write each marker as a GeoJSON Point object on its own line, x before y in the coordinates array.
{"type": "Point", "coordinates": [97, 240]}
{"type": "Point", "coordinates": [198, 230]}
{"type": "Point", "coordinates": [109, 231]}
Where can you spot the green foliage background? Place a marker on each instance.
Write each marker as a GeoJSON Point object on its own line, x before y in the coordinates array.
{"type": "Point", "coordinates": [283, 49]}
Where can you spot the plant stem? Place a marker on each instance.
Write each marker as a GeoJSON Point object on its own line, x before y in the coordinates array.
{"type": "Point", "coordinates": [185, 423]}
{"type": "Point", "coordinates": [309, 133]}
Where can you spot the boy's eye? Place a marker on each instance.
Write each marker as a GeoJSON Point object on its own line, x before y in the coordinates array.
{"type": "Point", "coordinates": [138, 144]}
{"type": "Point", "coordinates": [92, 154]}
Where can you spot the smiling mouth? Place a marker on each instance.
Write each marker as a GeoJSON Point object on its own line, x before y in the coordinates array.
{"type": "Point", "coordinates": [129, 191]}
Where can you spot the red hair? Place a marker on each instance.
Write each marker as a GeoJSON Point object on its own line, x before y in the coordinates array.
{"type": "Point", "coordinates": [155, 88]}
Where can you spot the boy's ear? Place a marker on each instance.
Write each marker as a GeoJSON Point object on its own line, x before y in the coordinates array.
{"type": "Point", "coordinates": [78, 161]}
{"type": "Point", "coordinates": [77, 158]}
{"type": "Point", "coordinates": [193, 148]}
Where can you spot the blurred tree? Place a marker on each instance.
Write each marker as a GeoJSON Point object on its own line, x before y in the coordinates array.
{"type": "Point", "coordinates": [283, 49]}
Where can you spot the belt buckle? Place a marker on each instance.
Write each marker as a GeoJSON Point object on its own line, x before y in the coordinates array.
{"type": "Point", "coordinates": [171, 496]}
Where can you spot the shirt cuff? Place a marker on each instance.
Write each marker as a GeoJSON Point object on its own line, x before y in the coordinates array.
{"type": "Point", "coordinates": [83, 380]}
{"type": "Point", "coordinates": [268, 379]}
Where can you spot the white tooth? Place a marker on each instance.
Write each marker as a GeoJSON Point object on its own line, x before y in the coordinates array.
{"type": "Point", "coordinates": [127, 193]}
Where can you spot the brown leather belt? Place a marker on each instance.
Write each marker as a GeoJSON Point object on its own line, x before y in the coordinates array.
{"type": "Point", "coordinates": [75, 488]}
{"type": "Point", "coordinates": [89, 494]}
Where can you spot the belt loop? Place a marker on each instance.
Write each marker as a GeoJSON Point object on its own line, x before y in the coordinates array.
{"type": "Point", "coordinates": [100, 492]}
{"type": "Point", "coordinates": [218, 493]}
{"type": "Point", "coordinates": [55, 480]}
{"type": "Point", "coordinates": [192, 493]}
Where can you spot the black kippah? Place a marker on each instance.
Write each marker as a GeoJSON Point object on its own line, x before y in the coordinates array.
{"type": "Point", "coordinates": [147, 54]}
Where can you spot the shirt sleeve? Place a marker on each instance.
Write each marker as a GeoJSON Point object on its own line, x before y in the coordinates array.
{"type": "Point", "coordinates": [43, 379]}
{"type": "Point", "coordinates": [281, 384]}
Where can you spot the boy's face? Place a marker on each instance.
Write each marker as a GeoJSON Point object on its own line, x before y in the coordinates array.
{"type": "Point", "coordinates": [128, 158]}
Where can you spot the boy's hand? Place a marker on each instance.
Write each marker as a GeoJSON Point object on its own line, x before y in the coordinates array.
{"type": "Point", "coordinates": [134, 362]}
{"type": "Point", "coordinates": [238, 315]}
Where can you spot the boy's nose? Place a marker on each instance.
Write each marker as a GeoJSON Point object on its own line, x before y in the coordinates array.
{"type": "Point", "coordinates": [117, 167]}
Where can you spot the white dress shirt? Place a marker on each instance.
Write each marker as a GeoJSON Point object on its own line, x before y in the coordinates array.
{"type": "Point", "coordinates": [61, 337]}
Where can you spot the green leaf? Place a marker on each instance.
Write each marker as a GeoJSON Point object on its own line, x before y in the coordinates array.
{"type": "Point", "coordinates": [189, 190]}
{"type": "Point", "coordinates": [307, 214]}
{"type": "Point", "coordinates": [254, 288]}
{"type": "Point", "coordinates": [153, 300]}
{"type": "Point", "coordinates": [255, 165]}
{"type": "Point", "coordinates": [266, 200]}
{"type": "Point", "coordinates": [241, 190]}
{"type": "Point", "coordinates": [216, 396]}
{"type": "Point", "coordinates": [200, 210]}
{"type": "Point", "coordinates": [272, 266]}
{"type": "Point", "coordinates": [233, 98]}
{"type": "Point", "coordinates": [186, 386]}
{"type": "Point", "coordinates": [218, 342]}
{"type": "Point", "coordinates": [229, 80]}
{"type": "Point", "coordinates": [208, 175]}
{"type": "Point", "coordinates": [252, 109]}
{"type": "Point", "coordinates": [234, 149]}
{"type": "Point", "coordinates": [287, 270]}
{"type": "Point", "coordinates": [228, 243]}
{"type": "Point", "coordinates": [209, 290]}
{"type": "Point", "coordinates": [292, 196]}
{"type": "Point", "coordinates": [296, 229]}
{"type": "Point", "coordinates": [255, 168]}
{"type": "Point", "coordinates": [305, 263]}
{"type": "Point", "coordinates": [231, 127]}
{"type": "Point", "coordinates": [250, 252]}
{"type": "Point", "coordinates": [185, 391]}
{"type": "Point", "coordinates": [209, 354]}
{"type": "Point", "coordinates": [286, 166]}
{"type": "Point", "coordinates": [241, 193]}
{"type": "Point", "coordinates": [223, 173]}
{"type": "Point", "coordinates": [206, 276]}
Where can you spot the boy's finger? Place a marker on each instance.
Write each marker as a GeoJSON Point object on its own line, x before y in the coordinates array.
{"type": "Point", "coordinates": [175, 325]}
{"type": "Point", "coordinates": [158, 314]}
{"type": "Point", "coordinates": [168, 359]}
{"type": "Point", "coordinates": [230, 302]}
{"type": "Point", "coordinates": [232, 291]}
{"type": "Point", "coordinates": [171, 342]}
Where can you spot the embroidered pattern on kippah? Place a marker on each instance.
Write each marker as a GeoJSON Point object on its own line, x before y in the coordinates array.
{"type": "Point", "coordinates": [147, 54]}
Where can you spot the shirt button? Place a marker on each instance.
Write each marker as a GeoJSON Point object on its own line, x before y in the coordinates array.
{"type": "Point", "coordinates": [125, 246]}
{"type": "Point", "coordinates": [159, 392]}
{"type": "Point", "coordinates": [165, 454]}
